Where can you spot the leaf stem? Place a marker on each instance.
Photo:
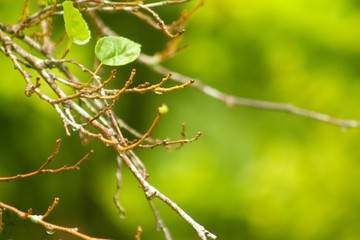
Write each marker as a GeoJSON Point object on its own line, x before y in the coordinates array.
{"type": "Point", "coordinates": [98, 68]}
{"type": "Point", "coordinates": [67, 48]}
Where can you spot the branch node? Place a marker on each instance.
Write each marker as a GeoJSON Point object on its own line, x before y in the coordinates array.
{"type": "Point", "coordinates": [150, 193]}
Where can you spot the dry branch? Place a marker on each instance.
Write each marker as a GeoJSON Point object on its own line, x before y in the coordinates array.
{"type": "Point", "coordinates": [98, 100]}
{"type": "Point", "coordinates": [230, 100]}
{"type": "Point", "coordinates": [42, 169]}
{"type": "Point", "coordinates": [38, 219]}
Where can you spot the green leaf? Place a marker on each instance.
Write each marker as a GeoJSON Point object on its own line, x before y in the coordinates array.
{"type": "Point", "coordinates": [116, 51]}
{"type": "Point", "coordinates": [75, 25]}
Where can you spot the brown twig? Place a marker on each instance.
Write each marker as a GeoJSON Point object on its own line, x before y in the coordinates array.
{"type": "Point", "coordinates": [168, 144]}
{"type": "Point", "coordinates": [161, 22]}
{"type": "Point", "coordinates": [185, 16]}
{"type": "Point", "coordinates": [182, 86]}
{"type": "Point", "coordinates": [42, 169]}
{"type": "Point", "coordinates": [56, 202]}
{"type": "Point", "coordinates": [43, 16]}
{"type": "Point", "coordinates": [138, 233]}
{"type": "Point", "coordinates": [19, 26]}
{"type": "Point", "coordinates": [48, 226]}
{"type": "Point", "coordinates": [24, 10]}
{"type": "Point", "coordinates": [105, 122]}
{"type": "Point", "coordinates": [147, 134]}
{"type": "Point", "coordinates": [85, 93]}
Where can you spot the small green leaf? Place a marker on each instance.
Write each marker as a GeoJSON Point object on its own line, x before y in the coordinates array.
{"type": "Point", "coordinates": [75, 25]}
{"type": "Point", "coordinates": [116, 51]}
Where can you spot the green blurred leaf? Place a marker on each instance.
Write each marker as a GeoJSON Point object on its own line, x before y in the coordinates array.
{"type": "Point", "coordinates": [75, 25]}
{"type": "Point", "coordinates": [116, 51]}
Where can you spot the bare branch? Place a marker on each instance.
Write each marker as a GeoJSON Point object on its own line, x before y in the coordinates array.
{"type": "Point", "coordinates": [147, 134]}
{"type": "Point", "coordinates": [233, 100]}
{"type": "Point", "coordinates": [48, 226]}
{"type": "Point", "coordinates": [160, 222]}
{"type": "Point", "coordinates": [118, 186]}
{"type": "Point", "coordinates": [99, 103]}
{"type": "Point", "coordinates": [56, 202]}
{"type": "Point", "coordinates": [42, 169]}
{"type": "Point", "coordinates": [161, 22]}
{"type": "Point", "coordinates": [138, 233]}
{"type": "Point", "coordinates": [151, 192]}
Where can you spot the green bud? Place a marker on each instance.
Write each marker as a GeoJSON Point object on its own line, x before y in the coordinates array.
{"type": "Point", "coordinates": [163, 109]}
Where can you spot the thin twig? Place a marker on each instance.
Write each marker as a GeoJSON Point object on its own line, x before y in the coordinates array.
{"type": "Point", "coordinates": [24, 10]}
{"type": "Point", "coordinates": [147, 134]}
{"type": "Point", "coordinates": [138, 233]}
{"type": "Point", "coordinates": [168, 144]}
{"type": "Point", "coordinates": [233, 100]}
{"type": "Point", "coordinates": [118, 186]}
{"type": "Point", "coordinates": [151, 192]}
{"type": "Point", "coordinates": [104, 131]}
{"type": "Point", "coordinates": [42, 169]}
{"type": "Point", "coordinates": [160, 222]}
{"type": "Point", "coordinates": [161, 22]}
{"type": "Point", "coordinates": [48, 226]}
{"type": "Point", "coordinates": [56, 202]}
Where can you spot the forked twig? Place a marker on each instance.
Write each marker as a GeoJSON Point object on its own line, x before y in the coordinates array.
{"type": "Point", "coordinates": [38, 219]}
{"type": "Point", "coordinates": [42, 169]}
{"type": "Point", "coordinates": [161, 22]}
{"type": "Point", "coordinates": [98, 112]}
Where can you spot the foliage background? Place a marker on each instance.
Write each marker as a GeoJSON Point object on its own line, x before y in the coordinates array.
{"type": "Point", "coordinates": [253, 174]}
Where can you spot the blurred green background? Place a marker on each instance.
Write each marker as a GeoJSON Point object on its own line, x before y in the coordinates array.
{"type": "Point", "coordinates": [253, 174]}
